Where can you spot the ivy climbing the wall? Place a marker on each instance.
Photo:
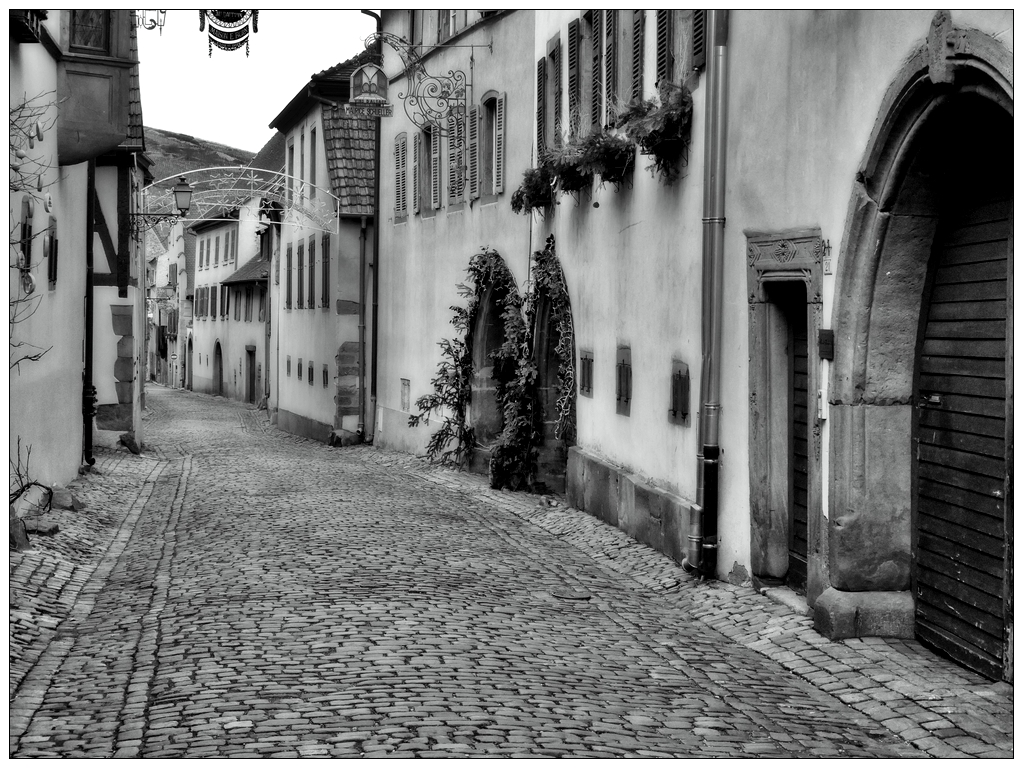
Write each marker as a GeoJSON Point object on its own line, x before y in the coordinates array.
{"type": "Point", "coordinates": [513, 462]}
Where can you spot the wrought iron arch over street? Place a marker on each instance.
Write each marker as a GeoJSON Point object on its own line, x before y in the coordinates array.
{"type": "Point", "coordinates": [218, 190]}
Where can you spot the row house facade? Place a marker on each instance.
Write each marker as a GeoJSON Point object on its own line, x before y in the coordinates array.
{"type": "Point", "coordinates": [791, 327]}
{"type": "Point", "coordinates": [319, 308]}
{"type": "Point", "coordinates": [77, 278]}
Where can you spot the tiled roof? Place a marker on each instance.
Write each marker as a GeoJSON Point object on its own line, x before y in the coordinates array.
{"type": "Point", "coordinates": [255, 270]}
{"type": "Point", "coordinates": [271, 156]}
{"type": "Point", "coordinates": [136, 139]}
{"type": "Point", "coordinates": [350, 152]}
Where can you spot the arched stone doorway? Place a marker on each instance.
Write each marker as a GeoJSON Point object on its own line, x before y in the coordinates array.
{"type": "Point", "coordinates": [554, 357]}
{"type": "Point", "coordinates": [484, 412]}
{"type": "Point", "coordinates": [920, 533]}
{"type": "Point", "coordinates": [218, 370]}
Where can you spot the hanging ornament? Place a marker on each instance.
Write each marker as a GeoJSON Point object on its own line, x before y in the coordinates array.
{"type": "Point", "coordinates": [229, 30]}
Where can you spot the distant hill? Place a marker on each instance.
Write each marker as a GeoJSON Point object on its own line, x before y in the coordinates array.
{"type": "Point", "coordinates": [174, 153]}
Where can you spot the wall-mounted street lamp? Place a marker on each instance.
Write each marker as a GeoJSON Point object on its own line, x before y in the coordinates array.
{"type": "Point", "coordinates": [143, 222]}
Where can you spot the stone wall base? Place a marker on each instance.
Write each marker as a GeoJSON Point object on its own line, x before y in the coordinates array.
{"type": "Point", "coordinates": [303, 426]}
{"type": "Point", "coordinates": [838, 615]}
{"type": "Point", "coordinates": [652, 516]}
{"type": "Point", "coordinates": [114, 417]}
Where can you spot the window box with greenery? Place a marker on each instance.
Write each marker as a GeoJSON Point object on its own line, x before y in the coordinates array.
{"type": "Point", "coordinates": [660, 126]}
{"type": "Point", "coordinates": [607, 155]}
{"type": "Point", "coordinates": [536, 192]}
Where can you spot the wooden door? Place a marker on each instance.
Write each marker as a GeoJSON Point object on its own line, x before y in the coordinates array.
{"type": "Point", "coordinates": [250, 370]}
{"type": "Point", "coordinates": [799, 432]}
{"type": "Point", "coordinates": [963, 402]}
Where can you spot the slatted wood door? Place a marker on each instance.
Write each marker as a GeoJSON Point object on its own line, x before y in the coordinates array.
{"type": "Point", "coordinates": [798, 454]}
{"type": "Point", "coordinates": [960, 531]}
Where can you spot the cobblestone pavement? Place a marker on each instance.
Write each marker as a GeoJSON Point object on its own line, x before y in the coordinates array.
{"type": "Point", "coordinates": [238, 592]}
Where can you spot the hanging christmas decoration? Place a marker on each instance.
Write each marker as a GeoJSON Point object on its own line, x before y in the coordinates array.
{"type": "Point", "coordinates": [229, 30]}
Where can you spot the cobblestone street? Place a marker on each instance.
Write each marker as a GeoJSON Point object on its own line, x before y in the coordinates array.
{"type": "Point", "coordinates": [254, 594]}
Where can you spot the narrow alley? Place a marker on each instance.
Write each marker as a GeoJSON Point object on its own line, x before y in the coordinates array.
{"type": "Point", "coordinates": [263, 595]}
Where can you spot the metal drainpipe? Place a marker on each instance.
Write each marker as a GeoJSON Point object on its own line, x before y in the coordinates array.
{"type": "Point", "coordinates": [376, 249]}
{"type": "Point", "coordinates": [88, 390]}
{"type": "Point", "coordinates": [703, 529]}
{"type": "Point", "coordinates": [361, 430]}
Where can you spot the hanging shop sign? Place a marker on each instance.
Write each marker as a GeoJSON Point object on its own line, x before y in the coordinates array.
{"type": "Point", "coordinates": [369, 93]}
{"type": "Point", "coordinates": [229, 30]}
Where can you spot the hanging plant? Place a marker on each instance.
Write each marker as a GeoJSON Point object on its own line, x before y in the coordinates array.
{"type": "Point", "coordinates": [609, 155]}
{"type": "Point", "coordinates": [660, 127]}
{"type": "Point", "coordinates": [536, 192]}
{"type": "Point", "coordinates": [565, 161]}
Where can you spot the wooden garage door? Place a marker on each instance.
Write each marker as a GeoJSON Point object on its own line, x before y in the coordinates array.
{"type": "Point", "coordinates": [960, 520]}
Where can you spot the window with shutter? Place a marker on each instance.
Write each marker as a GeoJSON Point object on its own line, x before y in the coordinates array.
{"type": "Point", "coordinates": [554, 89]}
{"type": "Point", "coordinates": [213, 301]}
{"type": "Point", "coordinates": [312, 272]}
{"type": "Point", "coordinates": [436, 183]}
{"type": "Point", "coordinates": [400, 176]}
{"type": "Point", "coordinates": [541, 108]}
{"type": "Point", "coordinates": [665, 46]}
{"type": "Point", "coordinates": [456, 158]}
{"type": "Point", "coordinates": [415, 171]}
{"type": "Point", "coordinates": [287, 280]}
{"type": "Point", "coordinates": [597, 83]}
{"type": "Point", "coordinates": [300, 299]}
{"type": "Point", "coordinates": [699, 44]}
{"type": "Point", "coordinates": [638, 18]}
{"type": "Point", "coordinates": [325, 256]}
{"type": "Point", "coordinates": [474, 152]}
{"type": "Point", "coordinates": [312, 163]}
{"type": "Point", "coordinates": [575, 121]}
{"type": "Point", "coordinates": [499, 120]}
{"type": "Point", "coordinates": [611, 62]}
{"type": "Point", "coordinates": [172, 277]}
{"type": "Point", "coordinates": [202, 253]}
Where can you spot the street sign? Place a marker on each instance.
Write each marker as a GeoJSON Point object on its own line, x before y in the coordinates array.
{"type": "Point", "coordinates": [174, 356]}
{"type": "Point", "coordinates": [368, 110]}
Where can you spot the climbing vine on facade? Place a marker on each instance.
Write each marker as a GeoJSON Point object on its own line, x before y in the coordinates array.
{"type": "Point", "coordinates": [513, 462]}
{"type": "Point", "coordinates": [453, 443]}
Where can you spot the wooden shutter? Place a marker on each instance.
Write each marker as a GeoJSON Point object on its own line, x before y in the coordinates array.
{"type": "Point", "coordinates": [665, 56]}
{"type": "Point", "coordinates": [435, 168]}
{"type": "Point", "coordinates": [611, 61]}
{"type": "Point", "coordinates": [597, 86]}
{"type": "Point", "coordinates": [455, 177]}
{"type": "Point", "coordinates": [499, 144]}
{"type": "Point", "coordinates": [416, 153]}
{"type": "Point", "coordinates": [172, 277]}
{"type": "Point", "coordinates": [474, 151]}
{"type": "Point", "coordinates": [401, 175]}
{"type": "Point", "coordinates": [541, 108]}
{"type": "Point", "coordinates": [637, 53]}
{"type": "Point", "coordinates": [325, 255]}
{"type": "Point", "coordinates": [699, 46]}
{"type": "Point", "coordinates": [574, 118]}
{"type": "Point", "coordinates": [556, 84]}
{"type": "Point", "coordinates": [287, 280]}
{"type": "Point", "coordinates": [312, 272]}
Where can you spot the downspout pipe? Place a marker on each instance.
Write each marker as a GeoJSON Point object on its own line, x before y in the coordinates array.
{"type": "Point", "coordinates": [361, 430]}
{"type": "Point", "coordinates": [701, 556]}
{"type": "Point", "coordinates": [376, 250]}
{"type": "Point", "coordinates": [88, 390]}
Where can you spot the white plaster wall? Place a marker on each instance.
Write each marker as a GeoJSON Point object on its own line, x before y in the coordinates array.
{"type": "Point", "coordinates": [46, 396]}
{"type": "Point", "coordinates": [423, 259]}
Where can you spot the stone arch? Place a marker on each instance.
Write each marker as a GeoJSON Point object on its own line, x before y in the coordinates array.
{"type": "Point", "coordinates": [488, 335]}
{"type": "Point", "coordinates": [953, 80]}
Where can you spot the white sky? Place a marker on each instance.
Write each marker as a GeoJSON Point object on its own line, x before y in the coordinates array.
{"type": "Point", "coordinates": [231, 99]}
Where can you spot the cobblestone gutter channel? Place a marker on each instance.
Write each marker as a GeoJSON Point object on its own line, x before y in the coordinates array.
{"type": "Point", "coordinates": [208, 603]}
